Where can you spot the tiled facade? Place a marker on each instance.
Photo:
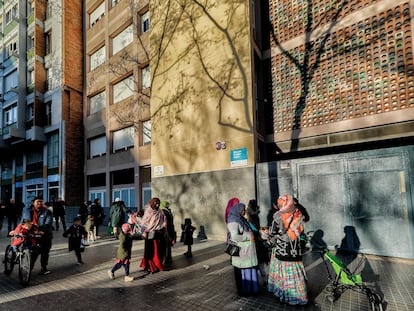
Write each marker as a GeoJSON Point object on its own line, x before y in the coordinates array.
{"type": "Point", "coordinates": [351, 68]}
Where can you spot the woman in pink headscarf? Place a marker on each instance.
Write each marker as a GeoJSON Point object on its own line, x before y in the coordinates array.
{"type": "Point", "coordinates": [154, 223]}
{"type": "Point", "coordinates": [230, 204]}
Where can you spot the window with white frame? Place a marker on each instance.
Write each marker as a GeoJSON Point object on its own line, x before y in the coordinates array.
{"type": "Point", "coordinates": [53, 151]}
{"type": "Point", "coordinates": [146, 132]}
{"type": "Point", "coordinates": [10, 14]}
{"type": "Point", "coordinates": [114, 3]}
{"type": "Point", "coordinates": [123, 139]}
{"type": "Point", "coordinates": [97, 14]}
{"type": "Point", "coordinates": [30, 77]}
{"type": "Point", "coordinates": [123, 39]}
{"type": "Point", "coordinates": [48, 108]}
{"type": "Point", "coordinates": [98, 58]}
{"type": "Point", "coordinates": [48, 43]}
{"type": "Point", "coordinates": [10, 115]}
{"type": "Point", "coordinates": [125, 194]}
{"type": "Point", "coordinates": [145, 22]}
{"type": "Point", "coordinates": [123, 89]}
{"type": "Point", "coordinates": [97, 146]}
{"type": "Point", "coordinates": [10, 81]}
{"type": "Point", "coordinates": [145, 77]}
{"type": "Point", "coordinates": [97, 102]}
{"type": "Point", "coordinates": [12, 49]}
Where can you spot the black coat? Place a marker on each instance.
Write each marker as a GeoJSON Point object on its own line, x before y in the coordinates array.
{"type": "Point", "coordinates": [75, 234]}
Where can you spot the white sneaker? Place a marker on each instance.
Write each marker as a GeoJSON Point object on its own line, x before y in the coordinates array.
{"type": "Point", "coordinates": [111, 275]}
{"type": "Point", "coordinates": [128, 278]}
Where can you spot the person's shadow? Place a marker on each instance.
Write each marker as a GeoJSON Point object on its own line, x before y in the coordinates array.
{"type": "Point", "coordinates": [349, 248]}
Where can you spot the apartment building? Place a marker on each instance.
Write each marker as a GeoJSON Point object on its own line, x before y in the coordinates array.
{"type": "Point", "coordinates": [41, 100]}
{"type": "Point", "coordinates": [117, 123]}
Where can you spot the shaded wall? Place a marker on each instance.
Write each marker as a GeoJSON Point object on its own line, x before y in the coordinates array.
{"type": "Point", "coordinates": [203, 197]}
{"type": "Point", "coordinates": [368, 190]}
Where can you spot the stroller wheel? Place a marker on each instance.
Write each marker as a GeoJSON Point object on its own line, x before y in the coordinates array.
{"type": "Point", "coordinates": [375, 301]}
{"type": "Point", "coordinates": [330, 298]}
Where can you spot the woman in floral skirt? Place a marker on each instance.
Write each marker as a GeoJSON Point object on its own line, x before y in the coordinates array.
{"type": "Point", "coordinates": [287, 276]}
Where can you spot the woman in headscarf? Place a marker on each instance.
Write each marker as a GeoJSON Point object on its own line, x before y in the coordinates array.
{"type": "Point", "coordinates": [154, 223]}
{"type": "Point", "coordinates": [230, 204]}
{"type": "Point", "coordinates": [245, 265]}
{"type": "Point", "coordinates": [287, 276]}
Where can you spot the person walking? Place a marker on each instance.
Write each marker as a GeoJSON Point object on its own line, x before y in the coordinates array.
{"type": "Point", "coordinates": [117, 214]}
{"type": "Point", "coordinates": [13, 213]}
{"type": "Point", "coordinates": [287, 276]}
{"type": "Point", "coordinates": [123, 254]}
{"type": "Point", "coordinates": [245, 265]}
{"type": "Point", "coordinates": [154, 224]}
{"type": "Point", "coordinates": [41, 217]}
{"type": "Point", "coordinates": [171, 235]}
{"type": "Point", "coordinates": [76, 234]}
{"type": "Point", "coordinates": [59, 213]}
{"type": "Point", "coordinates": [2, 214]}
{"type": "Point", "coordinates": [98, 214]}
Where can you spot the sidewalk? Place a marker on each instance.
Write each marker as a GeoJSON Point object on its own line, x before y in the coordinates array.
{"type": "Point", "coordinates": [204, 282]}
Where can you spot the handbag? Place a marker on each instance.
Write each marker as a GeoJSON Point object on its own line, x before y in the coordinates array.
{"type": "Point", "coordinates": [232, 248]}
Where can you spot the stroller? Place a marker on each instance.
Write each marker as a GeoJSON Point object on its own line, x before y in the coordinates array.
{"type": "Point", "coordinates": [344, 279]}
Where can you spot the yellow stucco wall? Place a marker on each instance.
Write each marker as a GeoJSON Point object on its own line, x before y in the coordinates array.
{"type": "Point", "coordinates": [201, 85]}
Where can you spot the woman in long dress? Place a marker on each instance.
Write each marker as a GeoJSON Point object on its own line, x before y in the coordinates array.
{"type": "Point", "coordinates": [287, 276]}
{"type": "Point", "coordinates": [153, 223]}
{"type": "Point", "coordinates": [245, 265]}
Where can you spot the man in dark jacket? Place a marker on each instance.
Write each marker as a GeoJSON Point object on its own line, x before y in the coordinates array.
{"type": "Point", "coordinates": [42, 217]}
{"type": "Point", "coordinates": [117, 215]}
{"type": "Point", "coordinates": [59, 213]}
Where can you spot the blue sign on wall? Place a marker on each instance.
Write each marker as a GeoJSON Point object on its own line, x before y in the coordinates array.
{"type": "Point", "coordinates": [238, 157]}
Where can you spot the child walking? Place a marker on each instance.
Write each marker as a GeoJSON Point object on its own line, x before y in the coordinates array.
{"type": "Point", "coordinates": [123, 255]}
{"type": "Point", "coordinates": [188, 240]}
{"type": "Point", "coordinates": [76, 233]}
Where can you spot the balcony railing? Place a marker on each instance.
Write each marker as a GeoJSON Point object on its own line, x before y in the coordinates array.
{"type": "Point", "coordinates": [6, 129]}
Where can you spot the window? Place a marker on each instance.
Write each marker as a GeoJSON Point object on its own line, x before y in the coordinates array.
{"type": "Point", "coordinates": [123, 89]}
{"type": "Point", "coordinates": [53, 150]}
{"type": "Point", "coordinates": [49, 8]}
{"type": "Point", "coordinates": [125, 194]}
{"type": "Point", "coordinates": [30, 42]}
{"type": "Point", "coordinates": [98, 58]}
{"type": "Point", "coordinates": [48, 43]}
{"type": "Point", "coordinates": [30, 77]}
{"type": "Point", "coordinates": [49, 80]}
{"type": "Point", "coordinates": [10, 115]}
{"type": "Point", "coordinates": [97, 14]}
{"type": "Point", "coordinates": [146, 77]}
{"type": "Point", "coordinates": [12, 13]}
{"type": "Point", "coordinates": [11, 49]}
{"type": "Point", "coordinates": [123, 139]}
{"type": "Point", "coordinates": [146, 132]}
{"type": "Point", "coordinates": [97, 146]}
{"type": "Point", "coordinates": [29, 116]}
{"type": "Point", "coordinates": [97, 102]}
{"type": "Point", "coordinates": [48, 106]}
{"type": "Point", "coordinates": [114, 2]}
{"type": "Point", "coordinates": [145, 22]}
{"type": "Point", "coordinates": [10, 81]}
{"type": "Point", "coordinates": [122, 39]}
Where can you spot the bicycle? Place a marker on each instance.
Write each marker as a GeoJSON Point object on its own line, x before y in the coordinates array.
{"type": "Point", "coordinates": [21, 255]}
